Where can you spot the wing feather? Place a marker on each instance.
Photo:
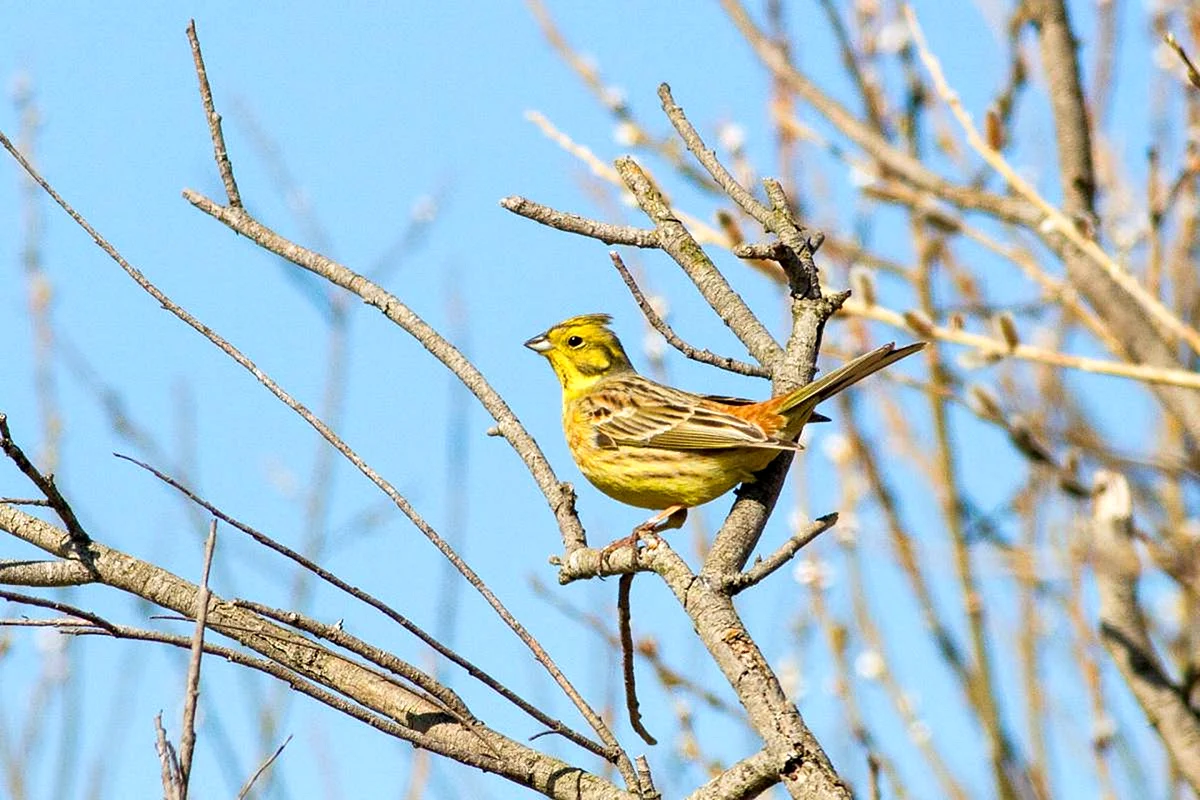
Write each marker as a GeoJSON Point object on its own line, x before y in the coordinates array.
{"type": "Point", "coordinates": [636, 412]}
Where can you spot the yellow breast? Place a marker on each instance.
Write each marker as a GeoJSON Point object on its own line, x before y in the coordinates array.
{"type": "Point", "coordinates": [657, 478]}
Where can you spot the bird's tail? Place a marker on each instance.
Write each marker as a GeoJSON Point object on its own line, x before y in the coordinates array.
{"type": "Point", "coordinates": [806, 398]}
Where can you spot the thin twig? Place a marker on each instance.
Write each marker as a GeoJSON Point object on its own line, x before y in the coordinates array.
{"type": "Point", "coordinates": [679, 243]}
{"type": "Point", "coordinates": [187, 736]}
{"type": "Point", "coordinates": [626, 632]}
{"type": "Point", "coordinates": [703, 232]}
{"type": "Point", "coordinates": [1193, 75]}
{"type": "Point", "coordinates": [646, 790]}
{"type": "Point", "coordinates": [245, 790]}
{"type": "Point", "coordinates": [167, 761]}
{"type": "Point", "coordinates": [62, 608]}
{"type": "Point", "coordinates": [659, 324]}
{"type": "Point", "coordinates": [220, 153]}
{"type": "Point", "coordinates": [669, 678]}
{"type": "Point", "coordinates": [44, 483]}
{"type": "Point", "coordinates": [765, 566]}
{"type": "Point", "coordinates": [873, 769]}
{"type": "Point", "coordinates": [574, 223]}
{"type": "Point", "coordinates": [800, 244]}
{"type": "Point", "coordinates": [40, 292]}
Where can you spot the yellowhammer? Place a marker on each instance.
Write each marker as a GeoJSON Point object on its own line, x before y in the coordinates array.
{"type": "Point", "coordinates": [653, 446]}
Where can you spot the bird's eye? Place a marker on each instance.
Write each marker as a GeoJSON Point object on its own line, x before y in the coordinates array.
{"type": "Point", "coordinates": [575, 341]}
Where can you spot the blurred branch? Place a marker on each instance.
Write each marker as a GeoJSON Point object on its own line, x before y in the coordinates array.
{"type": "Point", "coordinates": [1054, 219]}
{"type": "Point", "coordinates": [991, 349]}
{"type": "Point", "coordinates": [891, 158]}
{"type": "Point", "coordinates": [40, 290]}
{"type": "Point", "coordinates": [249, 784]}
{"type": "Point", "coordinates": [1193, 75]}
{"type": "Point", "coordinates": [1123, 627]}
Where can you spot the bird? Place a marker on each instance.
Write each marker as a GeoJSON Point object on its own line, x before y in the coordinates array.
{"type": "Point", "coordinates": [656, 447]}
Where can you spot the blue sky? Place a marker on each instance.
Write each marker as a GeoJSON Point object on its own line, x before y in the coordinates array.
{"type": "Point", "coordinates": [376, 111]}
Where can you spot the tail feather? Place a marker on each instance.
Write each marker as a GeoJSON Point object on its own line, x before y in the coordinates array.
{"type": "Point", "coordinates": [844, 377]}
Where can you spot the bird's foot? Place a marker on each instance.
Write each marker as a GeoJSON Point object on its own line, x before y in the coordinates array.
{"type": "Point", "coordinates": [665, 520]}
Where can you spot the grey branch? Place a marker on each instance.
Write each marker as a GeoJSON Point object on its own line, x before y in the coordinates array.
{"type": "Point", "coordinates": [574, 223]}
{"type": "Point", "coordinates": [659, 324]}
{"type": "Point", "coordinates": [765, 566]}
{"type": "Point", "coordinates": [678, 242]}
{"type": "Point", "coordinates": [354, 689]}
{"type": "Point", "coordinates": [45, 574]}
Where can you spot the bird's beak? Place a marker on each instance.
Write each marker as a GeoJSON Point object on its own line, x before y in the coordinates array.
{"type": "Point", "coordinates": [539, 343]}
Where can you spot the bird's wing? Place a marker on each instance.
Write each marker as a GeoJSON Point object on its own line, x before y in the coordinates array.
{"type": "Point", "coordinates": [637, 412]}
{"type": "Point", "coordinates": [741, 401]}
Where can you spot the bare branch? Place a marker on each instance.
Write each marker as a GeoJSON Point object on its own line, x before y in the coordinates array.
{"type": "Point", "coordinates": [372, 601]}
{"type": "Point", "coordinates": [1193, 75]}
{"type": "Point", "coordinates": [171, 783]}
{"type": "Point", "coordinates": [677, 241]}
{"type": "Point", "coordinates": [765, 566]}
{"type": "Point", "coordinates": [337, 635]}
{"type": "Point", "coordinates": [46, 574]}
{"type": "Point", "coordinates": [245, 790]}
{"type": "Point", "coordinates": [220, 153]}
{"type": "Point", "coordinates": [1054, 218]}
{"type": "Point", "coordinates": [626, 633]}
{"type": "Point", "coordinates": [746, 779]}
{"type": "Point", "coordinates": [892, 158]}
{"type": "Point", "coordinates": [187, 736]}
{"type": "Point", "coordinates": [659, 324]}
{"type": "Point", "coordinates": [1123, 627]}
{"type": "Point", "coordinates": [44, 483]}
{"type": "Point", "coordinates": [508, 423]}
{"type": "Point", "coordinates": [54, 605]}
{"type": "Point", "coordinates": [365, 694]}
{"type": "Point", "coordinates": [574, 223]}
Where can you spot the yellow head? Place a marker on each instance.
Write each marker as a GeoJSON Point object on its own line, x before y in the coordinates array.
{"type": "Point", "coordinates": [582, 350]}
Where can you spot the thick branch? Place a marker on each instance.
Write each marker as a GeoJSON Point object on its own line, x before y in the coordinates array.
{"type": "Point", "coordinates": [746, 779]}
{"type": "Point", "coordinates": [792, 751]}
{"type": "Point", "coordinates": [46, 574]}
{"type": "Point", "coordinates": [310, 566]}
